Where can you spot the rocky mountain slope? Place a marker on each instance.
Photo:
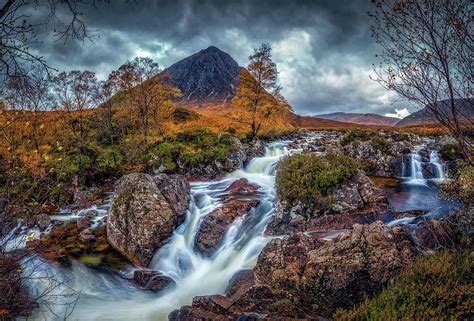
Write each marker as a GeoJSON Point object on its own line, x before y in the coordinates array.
{"type": "Point", "coordinates": [208, 75]}
{"type": "Point", "coordinates": [363, 119]}
{"type": "Point", "coordinates": [425, 117]}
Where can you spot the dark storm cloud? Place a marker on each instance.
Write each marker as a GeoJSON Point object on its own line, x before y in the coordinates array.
{"type": "Point", "coordinates": [323, 49]}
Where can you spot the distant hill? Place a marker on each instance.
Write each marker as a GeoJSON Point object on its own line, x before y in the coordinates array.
{"type": "Point", "coordinates": [425, 117]}
{"type": "Point", "coordinates": [208, 75]}
{"type": "Point", "coordinates": [362, 119]}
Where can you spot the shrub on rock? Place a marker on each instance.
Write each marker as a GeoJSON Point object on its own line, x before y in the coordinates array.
{"type": "Point", "coordinates": [309, 178]}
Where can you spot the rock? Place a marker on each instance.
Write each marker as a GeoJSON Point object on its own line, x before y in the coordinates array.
{"type": "Point", "coordinates": [453, 231]}
{"type": "Point", "coordinates": [241, 186]}
{"type": "Point", "coordinates": [215, 224]}
{"type": "Point", "coordinates": [152, 280]}
{"type": "Point", "coordinates": [357, 201]}
{"type": "Point", "coordinates": [144, 213]}
{"type": "Point", "coordinates": [84, 197]}
{"type": "Point", "coordinates": [234, 160]}
{"type": "Point", "coordinates": [253, 149]}
{"type": "Point", "coordinates": [413, 213]}
{"type": "Point", "coordinates": [86, 236]}
{"type": "Point", "coordinates": [43, 221]}
{"type": "Point", "coordinates": [325, 275]}
{"type": "Point", "coordinates": [83, 222]}
{"type": "Point", "coordinates": [239, 284]}
{"type": "Point", "coordinates": [90, 213]}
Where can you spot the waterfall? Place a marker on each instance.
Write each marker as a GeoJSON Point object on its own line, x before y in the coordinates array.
{"type": "Point", "coordinates": [110, 297]}
{"type": "Point", "coordinates": [416, 172]}
{"type": "Point", "coordinates": [416, 176]}
{"type": "Point", "coordinates": [434, 160]}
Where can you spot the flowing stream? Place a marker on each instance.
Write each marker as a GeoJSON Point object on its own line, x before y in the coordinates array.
{"type": "Point", "coordinates": [107, 296]}
{"type": "Point", "coordinates": [111, 296]}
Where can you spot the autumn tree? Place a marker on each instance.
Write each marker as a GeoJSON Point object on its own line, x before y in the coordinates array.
{"type": "Point", "coordinates": [426, 57]}
{"type": "Point", "coordinates": [74, 93]}
{"type": "Point", "coordinates": [147, 92]}
{"type": "Point", "coordinates": [31, 93]}
{"type": "Point", "coordinates": [103, 94]}
{"type": "Point", "coordinates": [258, 96]}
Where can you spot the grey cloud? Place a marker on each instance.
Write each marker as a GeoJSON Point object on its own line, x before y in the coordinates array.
{"type": "Point", "coordinates": [338, 43]}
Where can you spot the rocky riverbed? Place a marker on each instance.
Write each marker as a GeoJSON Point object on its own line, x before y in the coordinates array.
{"type": "Point", "coordinates": [228, 247]}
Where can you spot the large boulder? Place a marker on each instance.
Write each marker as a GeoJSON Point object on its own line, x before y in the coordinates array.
{"type": "Point", "coordinates": [303, 277]}
{"type": "Point", "coordinates": [215, 224]}
{"type": "Point", "coordinates": [144, 213]}
{"type": "Point", "coordinates": [357, 201]}
{"type": "Point", "coordinates": [326, 275]}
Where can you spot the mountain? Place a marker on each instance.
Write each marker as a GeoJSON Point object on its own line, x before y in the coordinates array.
{"type": "Point", "coordinates": [208, 75]}
{"type": "Point", "coordinates": [362, 119]}
{"type": "Point", "coordinates": [424, 116]}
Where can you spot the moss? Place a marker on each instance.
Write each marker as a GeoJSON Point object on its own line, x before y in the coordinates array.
{"type": "Point", "coordinates": [450, 151]}
{"type": "Point", "coordinates": [93, 260]}
{"type": "Point", "coordinates": [355, 135]}
{"type": "Point", "coordinates": [310, 179]}
{"type": "Point", "coordinates": [382, 145]}
{"type": "Point", "coordinates": [436, 287]}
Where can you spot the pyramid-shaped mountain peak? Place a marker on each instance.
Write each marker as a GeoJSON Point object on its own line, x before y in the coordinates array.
{"type": "Point", "coordinates": [208, 75]}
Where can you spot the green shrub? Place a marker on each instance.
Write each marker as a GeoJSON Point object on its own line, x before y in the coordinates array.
{"type": "Point", "coordinates": [436, 287]}
{"type": "Point", "coordinates": [194, 147]}
{"type": "Point", "coordinates": [381, 144]}
{"type": "Point", "coordinates": [355, 135]}
{"type": "Point", "coordinates": [461, 187]}
{"type": "Point", "coordinates": [450, 151]}
{"type": "Point", "coordinates": [308, 178]}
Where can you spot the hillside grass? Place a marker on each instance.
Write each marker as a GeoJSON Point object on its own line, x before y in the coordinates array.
{"type": "Point", "coordinates": [437, 286]}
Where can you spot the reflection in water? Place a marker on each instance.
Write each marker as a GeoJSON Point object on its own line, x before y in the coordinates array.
{"type": "Point", "coordinates": [411, 197]}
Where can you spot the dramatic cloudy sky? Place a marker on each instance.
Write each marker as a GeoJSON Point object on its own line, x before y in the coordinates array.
{"type": "Point", "coordinates": [323, 49]}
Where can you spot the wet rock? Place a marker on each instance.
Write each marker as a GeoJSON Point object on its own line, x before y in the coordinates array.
{"type": "Point", "coordinates": [215, 224]}
{"type": "Point", "coordinates": [241, 186]}
{"type": "Point", "coordinates": [66, 242]}
{"type": "Point", "coordinates": [413, 213]}
{"type": "Point", "coordinates": [43, 221]}
{"type": "Point", "coordinates": [90, 214]}
{"type": "Point", "coordinates": [234, 160]}
{"type": "Point", "coordinates": [152, 280]}
{"type": "Point", "coordinates": [252, 150]}
{"type": "Point", "coordinates": [325, 275]}
{"type": "Point", "coordinates": [86, 235]}
{"type": "Point", "coordinates": [86, 196]}
{"type": "Point", "coordinates": [239, 284]}
{"type": "Point", "coordinates": [144, 213]}
{"type": "Point", "coordinates": [83, 222]}
{"type": "Point", "coordinates": [453, 231]}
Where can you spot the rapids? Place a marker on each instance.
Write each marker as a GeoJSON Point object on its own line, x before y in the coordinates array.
{"type": "Point", "coordinates": [84, 293]}
{"type": "Point", "coordinates": [108, 296]}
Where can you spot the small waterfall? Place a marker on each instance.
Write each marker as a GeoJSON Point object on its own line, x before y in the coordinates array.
{"type": "Point", "coordinates": [416, 171]}
{"type": "Point", "coordinates": [413, 173]}
{"type": "Point", "coordinates": [107, 297]}
{"type": "Point", "coordinates": [439, 168]}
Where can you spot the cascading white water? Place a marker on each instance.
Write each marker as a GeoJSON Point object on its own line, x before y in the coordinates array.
{"type": "Point", "coordinates": [109, 297]}
{"type": "Point", "coordinates": [416, 172]}
{"type": "Point", "coordinates": [416, 176]}
{"type": "Point", "coordinates": [434, 160]}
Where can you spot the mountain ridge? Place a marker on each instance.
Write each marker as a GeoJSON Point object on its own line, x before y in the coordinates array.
{"type": "Point", "coordinates": [208, 75]}
{"type": "Point", "coordinates": [424, 116]}
{"type": "Point", "coordinates": [361, 118]}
